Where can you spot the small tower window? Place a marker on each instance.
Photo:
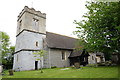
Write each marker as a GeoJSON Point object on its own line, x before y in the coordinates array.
{"type": "Point", "coordinates": [21, 23]}
{"type": "Point", "coordinates": [36, 44]}
{"type": "Point", "coordinates": [63, 55]}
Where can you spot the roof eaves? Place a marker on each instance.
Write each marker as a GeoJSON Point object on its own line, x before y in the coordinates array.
{"type": "Point", "coordinates": [60, 48]}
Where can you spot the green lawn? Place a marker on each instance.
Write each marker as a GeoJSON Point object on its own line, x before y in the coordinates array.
{"type": "Point", "coordinates": [85, 72]}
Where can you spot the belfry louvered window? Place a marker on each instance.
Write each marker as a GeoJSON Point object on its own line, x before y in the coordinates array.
{"type": "Point", "coordinates": [35, 24]}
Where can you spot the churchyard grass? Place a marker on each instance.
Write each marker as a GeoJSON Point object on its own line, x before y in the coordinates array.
{"type": "Point", "coordinates": [83, 72]}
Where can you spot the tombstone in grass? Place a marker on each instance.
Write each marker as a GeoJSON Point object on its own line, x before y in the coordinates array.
{"type": "Point", "coordinates": [77, 65]}
{"type": "Point", "coordinates": [1, 69]}
{"type": "Point", "coordinates": [10, 72]}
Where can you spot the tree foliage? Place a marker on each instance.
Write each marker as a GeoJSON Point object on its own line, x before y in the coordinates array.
{"type": "Point", "coordinates": [4, 43]}
{"type": "Point", "coordinates": [7, 51]}
{"type": "Point", "coordinates": [101, 28]}
{"type": "Point", "coordinates": [39, 56]}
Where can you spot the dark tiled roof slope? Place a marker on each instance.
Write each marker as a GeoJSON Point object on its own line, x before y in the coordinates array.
{"type": "Point", "coordinates": [76, 53]}
{"type": "Point", "coordinates": [59, 41]}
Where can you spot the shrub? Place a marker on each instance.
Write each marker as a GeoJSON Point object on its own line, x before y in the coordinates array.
{"type": "Point", "coordinates": [101, 64]}
{"type": "Point", "coordinates": [108, 63]}
{"type": "Point", "coordinates": [53, 67]}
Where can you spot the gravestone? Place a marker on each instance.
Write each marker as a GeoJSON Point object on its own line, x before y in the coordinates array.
{"type": "Point", "coordinates": [10, 72]}
{"type": "Point", "coordinates": [1, 69]}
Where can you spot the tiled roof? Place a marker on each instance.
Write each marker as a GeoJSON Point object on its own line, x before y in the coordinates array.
{"type": "Point", "coordinates": [60, 41]}
{"type": "Point", "coordinates": [76, 53]}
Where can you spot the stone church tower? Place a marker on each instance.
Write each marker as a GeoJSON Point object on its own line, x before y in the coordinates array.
{"type": "Point", "coordinates": [31, 29]}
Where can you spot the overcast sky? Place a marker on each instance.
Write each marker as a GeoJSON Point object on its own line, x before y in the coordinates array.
{"type": "Point", "coordinates": [60, 14]}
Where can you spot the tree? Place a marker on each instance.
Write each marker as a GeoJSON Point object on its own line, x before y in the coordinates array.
{"type": "Point", "coordinates": [101, 28]}
{"type": "Point", "coordinates": [10, 57]}
{"type": "Point", "coordinates": [6, 50]}
{"type": "Point", "coordinates": [4, 39]}
{"type": "Point", "coordinates": [39, 55]}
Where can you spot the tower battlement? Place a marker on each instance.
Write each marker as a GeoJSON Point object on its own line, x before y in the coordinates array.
{"type": "Point", "coordinates": [30, 19]}
{"type": "Point", "coordinates": [32, 11]}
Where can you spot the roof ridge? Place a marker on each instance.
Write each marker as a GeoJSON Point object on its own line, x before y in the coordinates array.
{"type": "Point", "coordinates": [62, 35]}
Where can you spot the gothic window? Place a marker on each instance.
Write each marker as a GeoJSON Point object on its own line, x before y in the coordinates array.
{"type": "Point", "coordinates": [63, 55]}
{"type": "Point", "coordinates": [35, 24]}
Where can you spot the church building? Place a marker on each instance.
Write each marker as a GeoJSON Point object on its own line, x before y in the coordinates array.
{"type": "Point", "coordinates": [32, 37]}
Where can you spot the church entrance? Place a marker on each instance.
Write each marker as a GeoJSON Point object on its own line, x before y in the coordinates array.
{"type": "Point", "coordinates": [79, 56]}
{"type": "Point", "coordinates": [36, 65]}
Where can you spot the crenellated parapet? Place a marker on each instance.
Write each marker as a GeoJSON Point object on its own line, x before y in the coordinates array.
{"type": "Point", "coordinates": [32, 11]}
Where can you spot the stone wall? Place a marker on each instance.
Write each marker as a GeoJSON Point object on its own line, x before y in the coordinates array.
{"type": "Point", "coordinates": [25, 60]}
{"type": "Point", "coordinates": [27, 40]}
{"type": "Point", "coordinates": [56, 58]}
